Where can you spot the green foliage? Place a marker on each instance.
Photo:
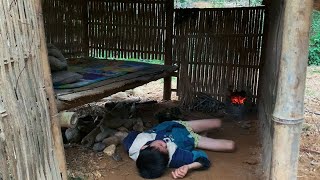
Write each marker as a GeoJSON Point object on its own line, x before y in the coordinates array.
{"type": "Point", "coordinates": [314, 43]}
{"type": "Point", "coordinates": [218, 3]}
{"type": "Point", "coordinates": [315, 24]}
{"type": "Point", "coordinates": [314, 50]}
{"type": "Point", "coordinates": [256, 2]}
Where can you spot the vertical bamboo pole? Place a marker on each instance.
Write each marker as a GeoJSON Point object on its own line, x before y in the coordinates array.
{"type": "Point", "coordinates": [85, 22]}
{"type": "Point", "coordinates": [55, 124]}
{"type": "Point", "coordinates": [289, 108]}
{"type": "Point", "coordinates": [263, 51]}
{"type": "Point", "coordinates": [168, 48]}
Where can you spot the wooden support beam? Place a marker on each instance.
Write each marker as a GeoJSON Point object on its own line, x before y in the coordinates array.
{"type": "Point", "coordinates": [316, 5]}
{"type": "Point", "coordinates": [168, 47]}
{"type": "Point", "coordinates": [55, 124]}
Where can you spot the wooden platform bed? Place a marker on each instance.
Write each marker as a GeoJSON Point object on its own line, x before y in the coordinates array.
{"type": "Point", "coordinates": [70, 98]}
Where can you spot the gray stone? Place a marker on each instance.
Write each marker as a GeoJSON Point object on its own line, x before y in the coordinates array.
{"type": "Point", "coordinates": [106, 132]}
{"type": "Point", "coordinates": [121, 135]}
{"type": "Point", "coordinates": [73, 135]}
{"type": "Point", "coordinates": [111, 140]}
{"type": "Point", "coordinates": [99, 147]}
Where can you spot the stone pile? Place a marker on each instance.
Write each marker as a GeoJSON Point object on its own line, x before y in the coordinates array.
{"type": "Point", "coordinates": [104, 128]}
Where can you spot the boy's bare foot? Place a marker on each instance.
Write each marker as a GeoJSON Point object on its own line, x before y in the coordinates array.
{"type": "Point", "coordinates": [231, 147]}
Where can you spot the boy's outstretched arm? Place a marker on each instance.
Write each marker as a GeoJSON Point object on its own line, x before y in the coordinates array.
{"type": "Point", "coordinates": [182, 171]}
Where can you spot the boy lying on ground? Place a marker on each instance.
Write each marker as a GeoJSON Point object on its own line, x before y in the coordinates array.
{"type": "Point", "coordinates": [172, 144]}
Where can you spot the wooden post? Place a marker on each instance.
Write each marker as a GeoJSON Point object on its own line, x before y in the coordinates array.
{"type": "Point", "coordinates": [289, 108]}
{"type": "Point", "coordinates": [53, 111]}
{"type": "Point", "coordinates": [263, 49]}
{"type": "Point", "coordinates": [86, 26]}
{"type": "Point", "coordinates": [168, 47]}
{"type": "Point", "coordinates": [316, 5]}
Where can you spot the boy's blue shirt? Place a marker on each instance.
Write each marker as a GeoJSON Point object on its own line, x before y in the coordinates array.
{"type": "Point", "coordinates": [181, 144]}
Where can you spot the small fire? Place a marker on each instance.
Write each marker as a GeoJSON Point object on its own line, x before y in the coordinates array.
{"type": "Point", "coordinates": [238, 97]}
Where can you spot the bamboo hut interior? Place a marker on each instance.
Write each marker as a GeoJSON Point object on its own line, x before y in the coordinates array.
{"type": "Point", "coordinates": [215, 50]}
{"type": "Point", "coordinates": [222, 48]}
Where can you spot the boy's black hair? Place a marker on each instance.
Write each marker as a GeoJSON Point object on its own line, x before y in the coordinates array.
{"type": "Point", "coordinates": [151, 163]}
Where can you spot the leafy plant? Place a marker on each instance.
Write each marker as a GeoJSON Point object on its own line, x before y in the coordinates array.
{"type": "Point", "coordinates": [315, 24]}
{"type": "Point", "coordinates": [314, 43]}
{"type": "Point", "coordinates": [255, 2]}
{"type": "Point", "coordinates": [314, 50]}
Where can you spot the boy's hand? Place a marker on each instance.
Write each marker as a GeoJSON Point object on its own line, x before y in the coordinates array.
{"type": "Point", "coordinates": [181, 172]}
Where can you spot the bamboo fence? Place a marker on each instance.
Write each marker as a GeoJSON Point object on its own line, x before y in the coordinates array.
{"type": "Point", "coordinates": [222, 47]}
{"type": "Point", "coordinates": [107, 29]}
{"type": "Point", "coordinates": [66, 26]}
{"type": "Point", "coordinates": [29, 146]}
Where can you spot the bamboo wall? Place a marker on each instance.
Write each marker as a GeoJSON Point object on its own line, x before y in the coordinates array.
{"type": "Point", "coordinates": [222, 48]}
{"type": "Point", "coordinates": [27, 147]}
{"type": "Point", "coordinates": [107, 29]}
{"type": "Point", "coordinates": [66, 26]}
{"type": "Point", "coordinates": [127, 29]}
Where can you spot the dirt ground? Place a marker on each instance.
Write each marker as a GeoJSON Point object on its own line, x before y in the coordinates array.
{"type": "Point", "coordinates": [309, 159]}
{"type": "Point", "coordinates": [241, 165]}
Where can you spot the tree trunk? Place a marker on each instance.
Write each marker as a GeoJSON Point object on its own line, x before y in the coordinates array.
{"type": "Point", "coordinates": [28, 148]}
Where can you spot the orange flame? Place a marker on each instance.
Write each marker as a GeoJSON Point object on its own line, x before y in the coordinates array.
{"type": "Point", "coordinates": [238, 99]}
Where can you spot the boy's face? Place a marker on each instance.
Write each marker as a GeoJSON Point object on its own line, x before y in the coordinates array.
{"type": "Point", "coordinates": [158, 145]}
